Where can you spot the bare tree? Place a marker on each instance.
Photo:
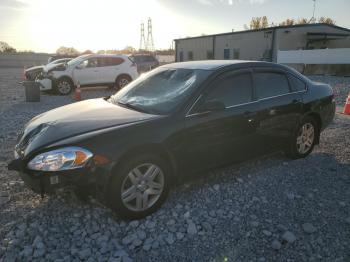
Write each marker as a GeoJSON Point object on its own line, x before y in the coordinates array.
{"type": "Point", "coordinates": [128, 50]}
{"type": "Point", "coordinates": [287, 22]}
{"type": "Point", "coordinates": [6, 48]}
{"type": "Point", "coordinates": [326, 20]}
{"type": "Point", "coordinates": [67, 51]}
{"type": "Point", "coordinates": [302, 21]}
{"type": "Point", "coordinates": [264, 22]}
{"type": "Point", "coordinates": [259, 22]}
{"type": "Point", "coordinates": [87, 52]}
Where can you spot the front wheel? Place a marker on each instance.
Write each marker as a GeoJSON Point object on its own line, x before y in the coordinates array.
{"type": "Point", "coordinates": [303, 141]}
{"type": "Point", "coordinates": [139, 187]}
{"type": "Point", "coordinates": [64, 86]}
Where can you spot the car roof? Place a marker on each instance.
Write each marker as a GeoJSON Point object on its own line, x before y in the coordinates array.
{"type": "Point", "coordinates": [216, 64]}
{"type": "Point", "coordinates": [141, 55]}
{"type": "Point", "coordinates": [106, 55]}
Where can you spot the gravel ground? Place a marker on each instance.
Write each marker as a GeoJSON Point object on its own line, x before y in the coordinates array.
{"type": "Point", "coordinates": [267, 209]}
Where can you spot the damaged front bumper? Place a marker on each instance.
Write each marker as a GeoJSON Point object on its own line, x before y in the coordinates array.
{"type": "Point", "coordinates": [48, 182]}
{"type": "Point", "coordinates": [45, 84]}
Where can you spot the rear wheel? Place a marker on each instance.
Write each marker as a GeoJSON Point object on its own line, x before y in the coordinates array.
{"type": "Point", "coordinates": [64, 86]}
{"type": "Point", "coordinates": [139, 187]}
{"type": "Point", "coordinates": [122, 81]}
{"type": "Point", "coordinates": [303, 141]}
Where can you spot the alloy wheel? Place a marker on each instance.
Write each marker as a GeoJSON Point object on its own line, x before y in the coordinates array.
{"type": "Point", "coordinates": [305, 138]}
{"type": "Point", "coordinates": [123, 82]}
{"type": "Point", "coordinates": [142, 187]}
{"type": "Point", "coordinates": [64, 87]}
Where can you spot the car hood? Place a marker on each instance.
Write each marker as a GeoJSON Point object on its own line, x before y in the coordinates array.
{"type": "Point", "coordinates": [75, 119]}
{"type": "Point", "coordinates": [34, 68]}
{"type": "Point", "coordinates": [51, 67]}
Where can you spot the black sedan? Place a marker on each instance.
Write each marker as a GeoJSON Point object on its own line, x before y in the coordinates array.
{"type": "Point", "coordinates": [177, 119]}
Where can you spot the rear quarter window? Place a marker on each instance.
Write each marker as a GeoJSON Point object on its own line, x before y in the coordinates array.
{"type": "Point", "coordinates": [296, 83]}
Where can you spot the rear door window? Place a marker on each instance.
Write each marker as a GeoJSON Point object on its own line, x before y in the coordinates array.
{"type": "Point", "coordinates": [232, 90]}
{"type": "Point", "coordinates": [270, 84]}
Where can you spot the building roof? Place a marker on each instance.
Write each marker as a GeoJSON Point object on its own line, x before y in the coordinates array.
{"type": "Point", "coordinates": [212, 64]}
{"type": "Point", "coordinates": [270, 28]}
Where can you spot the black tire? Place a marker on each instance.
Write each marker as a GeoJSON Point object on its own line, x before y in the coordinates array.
{"type": "Point", "coordinates": [293, 150]}
{"type": "Point", "coordinates": [117, 182]}
{"type": "Point", "coordinates": [122, 81]}
{"type": "Point", "coordinates": [64, 86]}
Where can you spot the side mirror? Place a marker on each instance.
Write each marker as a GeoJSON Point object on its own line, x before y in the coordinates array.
{"type": "Point", "coordinates": [78, 67]}
{"type": "Point", "coordinates": [211, 106]}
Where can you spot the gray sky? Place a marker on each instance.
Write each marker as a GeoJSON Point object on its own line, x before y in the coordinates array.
{"type": "Point", "coordinates": [45, 25]}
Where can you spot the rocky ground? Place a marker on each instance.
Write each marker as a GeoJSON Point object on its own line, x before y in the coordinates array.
{"type": "Point", "coordinates": [267, 209]}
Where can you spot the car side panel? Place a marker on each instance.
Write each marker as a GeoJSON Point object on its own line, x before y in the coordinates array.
{"type": "Point", "coordinates": [319, 99]}
{"type": "Point", "coordinates": [279, 115]}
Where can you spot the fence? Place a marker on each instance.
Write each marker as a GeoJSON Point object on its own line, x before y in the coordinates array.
{"type": "Point", "coordinates": [336, 56]}
{"type": "Point", "coordinates": [166, 59]}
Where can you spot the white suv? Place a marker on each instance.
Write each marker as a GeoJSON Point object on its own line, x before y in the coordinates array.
{"type": "Point", "coordinates": [88, 70]}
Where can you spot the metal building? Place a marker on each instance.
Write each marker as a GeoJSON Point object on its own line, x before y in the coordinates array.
{"type": "Point", "coordinates": [261, 44]}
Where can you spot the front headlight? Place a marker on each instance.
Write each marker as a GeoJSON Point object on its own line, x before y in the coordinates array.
{"type": "Point", "coordinates": [60, 159]}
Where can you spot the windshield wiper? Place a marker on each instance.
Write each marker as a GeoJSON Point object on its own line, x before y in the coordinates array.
{"type": "Point", "coordinates": [131, 106]}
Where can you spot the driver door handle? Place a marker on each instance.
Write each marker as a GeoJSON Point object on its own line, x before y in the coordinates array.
{"type": "Point", "coordinates": [250, 115]}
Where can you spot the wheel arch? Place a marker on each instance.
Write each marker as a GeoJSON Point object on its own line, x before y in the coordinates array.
{"type": "Point", "coordinates": [318, 120]}
{"type": "Point", "coordinates": [66, 77]}
{"type": "Point", "coordinates": [123, 74]}
{"type": "Point", "coordinates": [155, 149]}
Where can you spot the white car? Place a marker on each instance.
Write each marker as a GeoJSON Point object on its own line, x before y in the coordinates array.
{"type": "Point", "coordinates": [88, 70]}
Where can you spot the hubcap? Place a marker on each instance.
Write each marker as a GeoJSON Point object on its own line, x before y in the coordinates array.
{"type": "Point", "coordinates": [305, 138]}
{"type": "Point", "coordinates": [123, 82]}
{"type": "Point", "coordinates": [142, 187]}
{"type": "Point", "coordinates": [64, 87]}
